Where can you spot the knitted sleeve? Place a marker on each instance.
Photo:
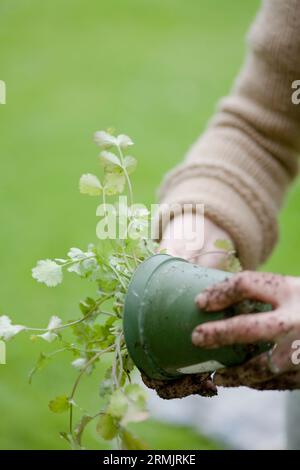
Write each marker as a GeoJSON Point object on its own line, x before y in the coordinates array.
{"type": "Point", "coordinates": [242, 165]}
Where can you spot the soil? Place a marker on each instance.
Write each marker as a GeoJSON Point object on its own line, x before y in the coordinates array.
{"type": "Point", "coordinates": [194, 384]}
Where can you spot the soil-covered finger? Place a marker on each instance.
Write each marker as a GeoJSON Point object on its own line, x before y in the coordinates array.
{"type": "Point", "coordinates": [288, 381]}
{"type": "Point", "coordinates": [243, 329]}
{"type": "Point", "coordinates": [252, 372]}
{"type": "Point", "coordinates": [266, 287]}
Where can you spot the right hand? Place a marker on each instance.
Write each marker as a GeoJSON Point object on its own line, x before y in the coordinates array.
{"type": "Point", "coordinates": [198, 248]}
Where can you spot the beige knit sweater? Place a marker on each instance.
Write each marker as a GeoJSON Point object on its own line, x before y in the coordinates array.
{"type": "Point", "coordinates": [241, 167]}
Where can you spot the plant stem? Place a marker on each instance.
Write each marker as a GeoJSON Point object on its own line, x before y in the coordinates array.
{"type": "Point", "coordinates": [119, 277]}
{"type": "Point", "coordinates": [82, 372]}
{"type": "Point", "coordinates": [126, 175]}
{"type": "Point", "coordinates": [75, 322]}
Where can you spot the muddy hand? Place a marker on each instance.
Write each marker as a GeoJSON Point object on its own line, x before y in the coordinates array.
{"type": "Point", "coordinates": [278, 369]}
{"type": "Point", "coordinates": [194, 384]}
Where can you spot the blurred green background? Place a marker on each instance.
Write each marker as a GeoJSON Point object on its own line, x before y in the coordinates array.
{"type": "Point", "coordinates": [153, 69]}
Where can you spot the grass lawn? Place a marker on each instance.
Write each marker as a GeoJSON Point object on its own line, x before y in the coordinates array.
{"type": "Point", "coordinates": [151, 69]}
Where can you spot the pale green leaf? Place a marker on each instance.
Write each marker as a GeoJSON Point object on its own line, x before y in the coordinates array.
{"type": "Point", "coordinates": [136, 410]}
{"type": "Point", "coordinates": [49, 336]}
{"type": "Point", "coordinates": [118, 404]}
{"type": "Point", "coordinates": [110, 161]}
{"type": "Point", "coordinates": [59, 404]}
{"type": "Point", "coordinates": [123, 141]}
{"type": "Point", "coordinates": [54, 323]}
{"type": "Point", "coordinates": [90, 184]}
{"type": "Point", "coordinates": [7, 329]}
{"type": "Point", "coordinates": [114, 183]}
{"type": "Point", "coordinates": [225, 245]}
{"type": "Point", "coordinates": [130, 164]}
{"type": "Point", "coordinates": [131, 442]}
{"type": "Point", "coordinates": [105, 139]}
{"type": "Point", "coordinates": [79, 363]}
{"type": "Point", "coordinates": [48, 272]}
{"type": "Point", "coordinates": [232, 264]}
{"type": "Point", "coordinates": [107, 427]}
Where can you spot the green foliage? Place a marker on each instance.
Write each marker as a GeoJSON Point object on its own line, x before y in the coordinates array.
{"type": "Point", "coordinates": [131, 442]}
{"type": "Point", "coordinates": [40, 364]}
{"type": "Point", "coordinates": [109, 265]}
{"type": "Point", "coordinates": [230, 261]}
{"type": "Point", "coordinates": [225, 245]}
{"type": "Point", "coordinates": [98, 331]}
{"type": "Point", "coordinates": [52, 122]}
{"type": "Point", "coordinates": [59, 404]}
{"type": "Point", "coordinates": [107, 427]}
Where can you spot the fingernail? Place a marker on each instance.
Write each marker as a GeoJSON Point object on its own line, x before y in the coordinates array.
{"type": "Point", "coordinates": [198, 337]}
{"type": "Point", "coordinates": [201, 300]}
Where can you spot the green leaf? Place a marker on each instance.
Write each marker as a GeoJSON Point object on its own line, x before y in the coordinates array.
{"type": "Point", "coordinates": [90, 184]}
{"type": "Point", "coordinates": [110, 162]}
{"type": "Point", "coordinates": [118, 404]}
{"type": "Point", "coordinates": [114, 183]}
{"type": "Point", "coordinates": [137, 393]}
{"type": "Point", "coordinates": [131, 442]}
{"type": "Point", "coordinates": [105, 249]}
{"type": "Point", "coordinates": [107, 282]}
{"type": "Point", "coordinates": [87, 305]}
{"type": "Point", "coordinates": [105, 387]}
{"type": "Point", "coordinates": [232, 264]}
{"type": "Point", "coordinates": [107, 427]}
{"type": "Point", "coordinates": [106, 384]}
{"type": "Point", "coordinates": [124, 141]}
{"type": "Point", "coordinates": [60, 404]}
{"type": "Point", "coordinates": [128, 364]}
{"type": "Point", "coordinates": [225, 245]}
{"type": "Point", "coordinates": [48, 272]}
{"type": "Point", "coordinates": [130, 164]}
{"type": "Point", "coordinates": [136, 410]}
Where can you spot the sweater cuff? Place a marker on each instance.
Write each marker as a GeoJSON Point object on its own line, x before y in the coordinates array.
{"type": "Point", "coordinates": [229, 210]}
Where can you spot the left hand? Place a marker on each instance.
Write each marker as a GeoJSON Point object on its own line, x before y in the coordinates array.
{"type": "Point", "coordinates": [203, 252]}
{"type": "Point", "coordinates": [278, 369]}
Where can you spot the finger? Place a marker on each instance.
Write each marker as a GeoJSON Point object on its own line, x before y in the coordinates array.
{"type": "Point", "coordinates": [266, 287]}
{"type": "Point", "coordinates": [287, 381]}
{"type": "Point", "coordinates": [249, 374]}
{"type": "Point", "coordinates": [258, 378]}
{"type": "Point", "coordinates": [243, 329]}
{"type": "Point", "coordinates": [286, 354]}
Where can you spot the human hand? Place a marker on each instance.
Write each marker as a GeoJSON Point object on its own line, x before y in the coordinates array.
{"type": "Point", "coordinates": [183, 241]}
{"type": "Point", "coordinates": [198, 246]}
{"type": "Point", "coordinates": [278, 369]}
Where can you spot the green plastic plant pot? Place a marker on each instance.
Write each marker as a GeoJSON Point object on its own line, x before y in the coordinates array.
{"type": "Point", "coordinates": [160, 314]}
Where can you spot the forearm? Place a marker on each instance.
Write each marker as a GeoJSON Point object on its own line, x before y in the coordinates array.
{"type": "Point", "coordinates": [242, 165]}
